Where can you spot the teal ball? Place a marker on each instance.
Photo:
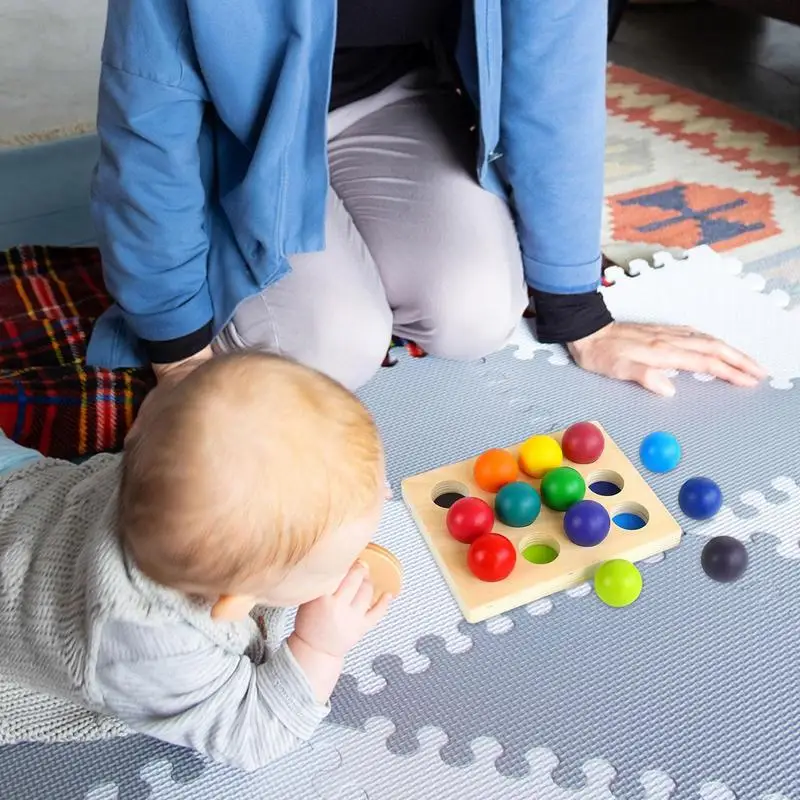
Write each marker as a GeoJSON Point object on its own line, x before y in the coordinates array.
{"type": "Point", "coordinates": [517, 504]}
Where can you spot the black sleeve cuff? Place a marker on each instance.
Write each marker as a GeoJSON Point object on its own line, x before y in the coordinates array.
{"type": "Point", "coordinates": [563, 318]}
{"type": "Point", "coordinates": [172, 350]}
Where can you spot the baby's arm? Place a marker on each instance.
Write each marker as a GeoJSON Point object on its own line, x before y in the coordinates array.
{"type": "Point", "coordinates": [173, 684]}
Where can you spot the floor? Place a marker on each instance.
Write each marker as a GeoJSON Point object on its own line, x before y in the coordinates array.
{"type": "Point", "coordinates": [48, 78]}
{"type": "Point", "coordinates": [44, 193]}
{"type": "Point", "coordinates": [750, 61]}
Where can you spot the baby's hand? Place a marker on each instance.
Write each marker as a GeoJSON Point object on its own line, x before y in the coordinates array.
{"type": "Point", "coordinates": [334, 623]}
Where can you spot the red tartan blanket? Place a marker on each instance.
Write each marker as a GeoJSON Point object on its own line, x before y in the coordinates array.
{"type": "Point", "coordinates": [49, 399]}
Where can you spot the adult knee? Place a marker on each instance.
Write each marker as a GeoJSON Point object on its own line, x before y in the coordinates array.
{"type": "Point", "coordinates": [346, 341]}
{"type": "Point", "coordinates": [349, 347]}
{"type": "Point", "coordinates": [471, 317]}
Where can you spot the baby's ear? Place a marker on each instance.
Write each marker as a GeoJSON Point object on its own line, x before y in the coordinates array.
{"type": "Point", "coordinates": [232, 608]}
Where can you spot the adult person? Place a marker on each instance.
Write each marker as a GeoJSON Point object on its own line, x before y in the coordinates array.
{"type": "Point", "coordinates": [309, 176]}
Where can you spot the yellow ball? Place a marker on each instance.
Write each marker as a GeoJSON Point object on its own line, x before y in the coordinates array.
{"type": "Point", "coordinates": [538, 455]}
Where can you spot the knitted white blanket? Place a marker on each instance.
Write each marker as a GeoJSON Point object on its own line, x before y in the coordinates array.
{"type": "Point", "coordinates": [27, 716]}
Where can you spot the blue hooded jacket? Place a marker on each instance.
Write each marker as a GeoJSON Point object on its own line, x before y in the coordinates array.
{"type": "Point", "coordinates": [213, 166]}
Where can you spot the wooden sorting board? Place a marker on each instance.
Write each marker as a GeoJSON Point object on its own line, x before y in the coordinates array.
{"type": "Point", "coordinates": [574, 565]}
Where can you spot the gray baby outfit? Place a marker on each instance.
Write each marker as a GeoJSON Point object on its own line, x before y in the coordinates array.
{"type": "Point", "coordinates": [78, 621]}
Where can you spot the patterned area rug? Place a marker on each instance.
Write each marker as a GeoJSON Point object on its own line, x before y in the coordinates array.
{"type": "Point", "coordinates": [684, 170]}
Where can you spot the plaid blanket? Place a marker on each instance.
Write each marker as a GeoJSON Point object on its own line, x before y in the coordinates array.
{"type": "Point", "coordinates": [50, 400]}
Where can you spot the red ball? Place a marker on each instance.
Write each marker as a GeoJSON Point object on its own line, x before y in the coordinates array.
{"type": "Point", "coordinates": [583, 443]}
{"type": "Point", "coordinates": [469, 518]}
{"type": "Point", "coordinates": [491, 557]}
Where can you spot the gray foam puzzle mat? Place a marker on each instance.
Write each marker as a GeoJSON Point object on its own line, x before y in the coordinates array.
{"type": "Point", "coordinates": [693, 692]}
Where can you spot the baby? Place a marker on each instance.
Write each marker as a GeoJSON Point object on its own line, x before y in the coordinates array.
{"type": "Point", "coordinates": [149, 586]}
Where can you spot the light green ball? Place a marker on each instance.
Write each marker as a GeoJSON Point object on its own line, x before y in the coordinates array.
{"type": "Point", "coordinates": [618, 583]}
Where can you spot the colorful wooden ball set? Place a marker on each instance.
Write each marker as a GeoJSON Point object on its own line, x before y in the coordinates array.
{"type": "Point", "coordinates": [507, 478]}
{"type": "Point", "coordinates": [523, 522]}
{"type": "Point", "coordinates": [516, 524]}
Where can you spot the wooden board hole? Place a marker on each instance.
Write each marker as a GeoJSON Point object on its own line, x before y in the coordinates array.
{"type": "Point", "coordinates": [446, 493]}
{"type": "Point", "coordinates": [630, 516]}
{"type": "Point", "coordinates": [539, 549]}
{"type": "Point", "coordinates": [605, 482]}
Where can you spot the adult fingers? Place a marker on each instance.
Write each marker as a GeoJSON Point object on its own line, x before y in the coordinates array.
{"type": "Point", "coordinates": [725, 352]}
{"type": "Point", "coordinates": [692, 339]}
{"type": "Point", "coordinates": [652, 379]}
{"type": "Point", "coordinates": [666, 355]}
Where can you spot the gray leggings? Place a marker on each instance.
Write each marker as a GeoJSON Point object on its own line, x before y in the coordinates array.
{"type": "Point", "coordinates": [414, 246]}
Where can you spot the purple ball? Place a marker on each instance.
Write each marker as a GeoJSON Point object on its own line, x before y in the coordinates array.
{"type": "Point", "coordinates": [587, 523]}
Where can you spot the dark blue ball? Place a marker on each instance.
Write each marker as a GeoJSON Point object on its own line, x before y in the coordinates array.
{"type": "Point", "coordinates": [700, 498]}
{"type": "Point", "coordinates": [587, 523]}
{"type": "Point", "coordinates": [724, 559]}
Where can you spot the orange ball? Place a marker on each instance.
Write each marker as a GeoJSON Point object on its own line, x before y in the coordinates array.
{"type": "Point", "coordinates": [494, 469]}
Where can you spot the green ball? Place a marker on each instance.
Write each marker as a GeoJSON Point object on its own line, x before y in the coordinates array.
{"type": "Point", "coordinates": [618, 583]}
{"type": "Point", "coordinates": [517, 504]}
{"type": "Point", "coordinates": [562, 488]}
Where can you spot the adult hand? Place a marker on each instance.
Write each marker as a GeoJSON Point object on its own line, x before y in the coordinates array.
{"type": "Point", "coordinates": [642, 353]}
{"type": "Point", "coordinates": [168, 375]}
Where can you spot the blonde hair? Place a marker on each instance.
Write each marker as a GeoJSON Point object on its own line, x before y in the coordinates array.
{"type": "Point", "coordinates": [240, 469]}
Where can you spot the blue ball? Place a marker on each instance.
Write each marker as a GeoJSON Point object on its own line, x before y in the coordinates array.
{"type": "Point", "coordinates": [660, 452]}
{"type": "Point", "coordinates": [700, 498]}
{"type": "Point", "coordinates": [587, 523]}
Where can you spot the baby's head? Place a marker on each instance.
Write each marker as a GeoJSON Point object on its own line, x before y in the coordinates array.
{"type": "Point", "coordinates": [254, 480]}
